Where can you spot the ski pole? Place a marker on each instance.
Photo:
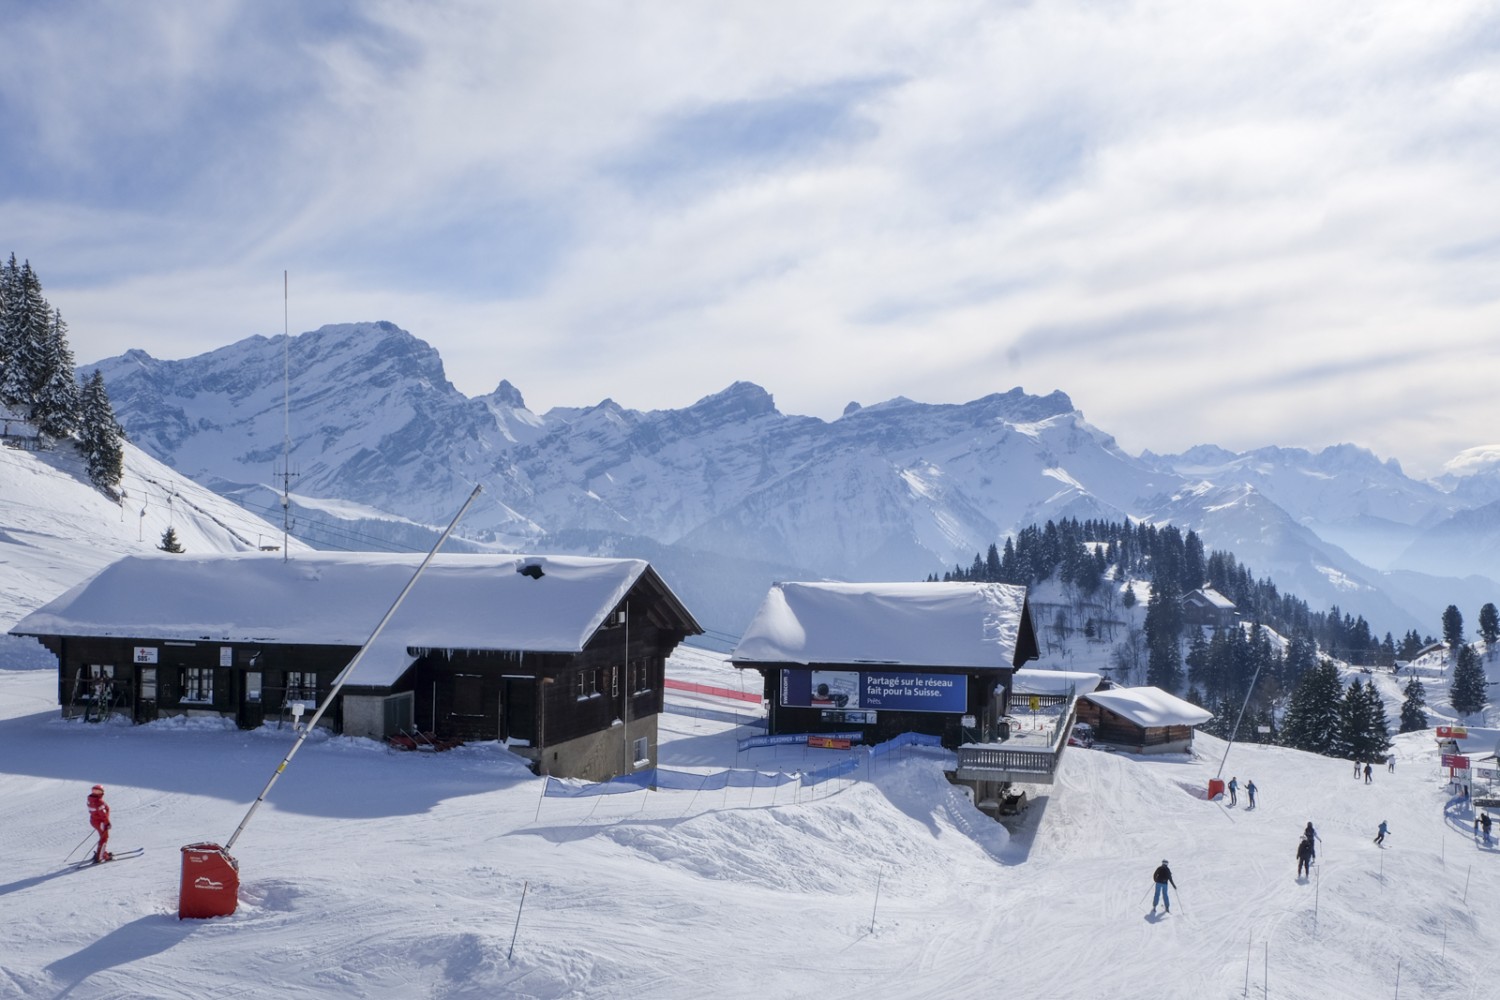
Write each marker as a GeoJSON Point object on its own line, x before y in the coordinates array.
{"type": "Point", "coordinates": [85, 840]}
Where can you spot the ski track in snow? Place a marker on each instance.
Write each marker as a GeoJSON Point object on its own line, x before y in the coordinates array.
{"type": "Point", "coordinates": [371, 873]}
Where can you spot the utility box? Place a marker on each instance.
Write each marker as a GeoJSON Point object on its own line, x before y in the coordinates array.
{"type": "Point", "coordinates": [1215, 789]}
{"type": "Point", "coordinates": [210, 882]}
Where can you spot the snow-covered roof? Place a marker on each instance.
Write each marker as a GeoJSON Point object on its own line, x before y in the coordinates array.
{"type": "Point", "coordinates": [1212, 597]}
{"type": "Point", "coordinates": [476, 602]}
{"type": "Point", "coordinates": [1150, 707]}
{"type": "Point", "coordinates": [1031, 681]}
{"type": "Point", "coordinates": [973, 625]}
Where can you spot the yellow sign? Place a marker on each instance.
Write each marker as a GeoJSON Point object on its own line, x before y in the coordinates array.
{"type": "Point", "coordinates": [1036, 703]}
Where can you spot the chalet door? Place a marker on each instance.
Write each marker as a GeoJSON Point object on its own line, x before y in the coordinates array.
{"type": "Point", "coordinates": [518, 710]}
{"type": "Point", "coordinates": [252, 711]}
{"type": "Point", "coordinates": [145, 694]}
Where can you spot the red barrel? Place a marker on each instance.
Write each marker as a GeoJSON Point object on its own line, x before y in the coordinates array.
{"type": "Point", "coordinates": [210, 882]}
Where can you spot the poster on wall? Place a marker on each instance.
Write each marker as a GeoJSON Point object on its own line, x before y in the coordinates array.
{"type": "Point", "coordinates": [887, 690]}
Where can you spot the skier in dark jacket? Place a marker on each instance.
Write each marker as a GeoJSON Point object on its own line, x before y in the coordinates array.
{"type": "Point", "coordinates": [1311, 836]}
{"type": "Point", "coordinates": [1380, 836]}
{"type": "Point", "coordinates": [1304, 857]}
{"type": "Point", "coordinates": [1233, 787]}
{"type": "Point", "coordinates": [1484, 823]}
{"type": "Point", "coordinates": [1250, 791]}
{"type": "Point", "coordinates": [99, 820]}
{"type": "Point", "coordinates": [1162, 877]}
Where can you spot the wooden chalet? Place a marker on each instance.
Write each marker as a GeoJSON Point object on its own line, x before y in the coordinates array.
{"type": "Point", "coordinates": [1207, 607]}
{"type": "Point", "coordinates": [875, 660]}
{"type": "Point", "coordinates": [562, 658]}
{"type": "Point", "coordinates": [1141, 719]}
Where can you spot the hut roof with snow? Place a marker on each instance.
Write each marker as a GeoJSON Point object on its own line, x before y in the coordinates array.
{"type": "Point", "coordinates": [462, 602]}
{"type": "Point", "coordinates": [965, 625]}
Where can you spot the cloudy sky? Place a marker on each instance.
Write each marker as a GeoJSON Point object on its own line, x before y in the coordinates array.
{"type": "Point", "coordinates": [1244, 224]}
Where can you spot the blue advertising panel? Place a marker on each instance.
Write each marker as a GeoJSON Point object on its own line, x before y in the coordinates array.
{"type": "Point", "coordinates": [889, 690]}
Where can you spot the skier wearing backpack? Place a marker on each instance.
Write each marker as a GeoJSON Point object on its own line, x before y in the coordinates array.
{"type": "Point", "coordinates": [99, 820]}
{"type": "Point", "coordinates": [1162, 877]}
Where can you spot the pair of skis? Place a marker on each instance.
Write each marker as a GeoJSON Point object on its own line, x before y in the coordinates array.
{"type": "Point", "coordinates": [126, 855]}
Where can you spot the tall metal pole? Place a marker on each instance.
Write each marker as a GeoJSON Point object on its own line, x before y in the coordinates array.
{"type": "Point", "coordinates": [338, 682]}
{"type": "Point", "coordinates": [286, 420]}
{"type": "Point", "coordinates": [1235, 732]}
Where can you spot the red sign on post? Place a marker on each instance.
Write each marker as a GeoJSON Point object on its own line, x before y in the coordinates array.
{"type": "Point", "coordinates": [1451, 732]}
{"type": "Point", "coordinates": [1455, 760]}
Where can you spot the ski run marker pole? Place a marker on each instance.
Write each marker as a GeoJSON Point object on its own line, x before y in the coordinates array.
{"type": "Point", "coordinates": [338, 682]}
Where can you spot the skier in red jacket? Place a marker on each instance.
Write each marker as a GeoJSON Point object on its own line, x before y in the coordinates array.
{"type": "Point", "coordinates": [99, 820]}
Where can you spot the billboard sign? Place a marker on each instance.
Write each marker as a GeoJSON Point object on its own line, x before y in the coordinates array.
{"type": "Point", "coordinates": [1452, 732]}
{"type": "Point", "coordinates": [1455, 760]}
{"type": "Point", "coordinates": [885, 690]}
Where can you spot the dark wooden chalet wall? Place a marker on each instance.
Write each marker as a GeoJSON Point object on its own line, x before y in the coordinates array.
{"type": "Point", "coordinates": [176, 658]}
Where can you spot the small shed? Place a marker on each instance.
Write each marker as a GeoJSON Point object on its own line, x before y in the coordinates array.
{"type": "Point", "coordinates": [879, 659]}
{"type": "Point", "coordinates": [561, 657]}
{"type": "Point", "coordinates": [1207, 607]}
{"type": "Point", "coordinates": [1141, 719]}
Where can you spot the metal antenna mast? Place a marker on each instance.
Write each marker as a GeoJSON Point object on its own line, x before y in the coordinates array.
{"type": "Point", "coordinates": [286, 418]}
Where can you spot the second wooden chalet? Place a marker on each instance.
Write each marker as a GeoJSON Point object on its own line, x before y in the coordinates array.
{"type": "Point", "coordinates": [562, 658]}
{"type": "Point", "coordinates": [879, 659]}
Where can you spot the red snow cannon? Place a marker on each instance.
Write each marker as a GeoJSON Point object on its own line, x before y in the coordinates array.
{"type": "Point", "coordinates": [210, 882]}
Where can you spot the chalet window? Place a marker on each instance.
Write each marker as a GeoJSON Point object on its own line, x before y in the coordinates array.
{"type": "Point", "coordinates": [198, 684]}
{"type": "Point", "coordinates": [642, 751]}
{"type": "Point", "coordinates": [640, 676]}
{"type": "Point", "coordinates": [252, 685]}
{"type": "Point", "coordinates": [148, 683]}
{"type": "Point", "coordinates": [586, 683]}
{"type": "Point", "coordinates": [301, 685]}
{"type": "Point", "coordinates": [614, 681]}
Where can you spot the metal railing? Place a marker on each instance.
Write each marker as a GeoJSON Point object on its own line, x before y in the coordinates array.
{"type": "Point", "coordinates": [997, 762]}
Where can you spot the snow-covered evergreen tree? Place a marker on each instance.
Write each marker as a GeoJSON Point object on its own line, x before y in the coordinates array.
{"type": "Point", "coordinates": [56, 397]}
{"type": "Point", "coordinates": [169, 541]}
{"type": "Point", "coordinates": [1364, 731]}
{"type": "Point", "coordinates": [101, 439]}
{"type": "Point", "coordinates": [23, 335]}
{"type": "Point", "coordinates": [1312, 718]}
{"type": "Point", "coordinates": [1413, 717]}
{"type": "Point", "coordinates": [1468, 692]}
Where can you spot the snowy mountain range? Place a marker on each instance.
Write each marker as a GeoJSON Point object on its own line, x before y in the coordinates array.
{"type": "Point", "coordinates": [729, 494]}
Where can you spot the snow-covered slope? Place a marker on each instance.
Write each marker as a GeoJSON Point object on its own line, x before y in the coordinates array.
{"type": "Point", "coordinates": [56, 529]}
{"type": "Point", "coordinates": [377, 874]}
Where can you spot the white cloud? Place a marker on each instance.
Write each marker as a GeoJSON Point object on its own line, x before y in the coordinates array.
{"type": "Point", "coordinates": [1242, 225]}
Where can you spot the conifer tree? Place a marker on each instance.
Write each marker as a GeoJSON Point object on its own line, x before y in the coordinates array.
{"type": "Point", "coordinates": [169, 542]}
{"type": "Point", "coordinates": [1364, 731]}
{"type": "Point", "coordinates": [23, 334]}
{"type": "Point", "coordinates": [1413, 717]}
{"type": "Point", "coordinates": [1453, 626]}
{"type": "Point", "coordinates": [101, 439]}
{"type": "Point", "coordinates": [1312, 718]}
{"type": "Point", "coordinates": [1467, 694]}
{"type": "Point", "coordinates": [55, 394]}
{"type": "Point", "coordinates": [1489, 625]}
